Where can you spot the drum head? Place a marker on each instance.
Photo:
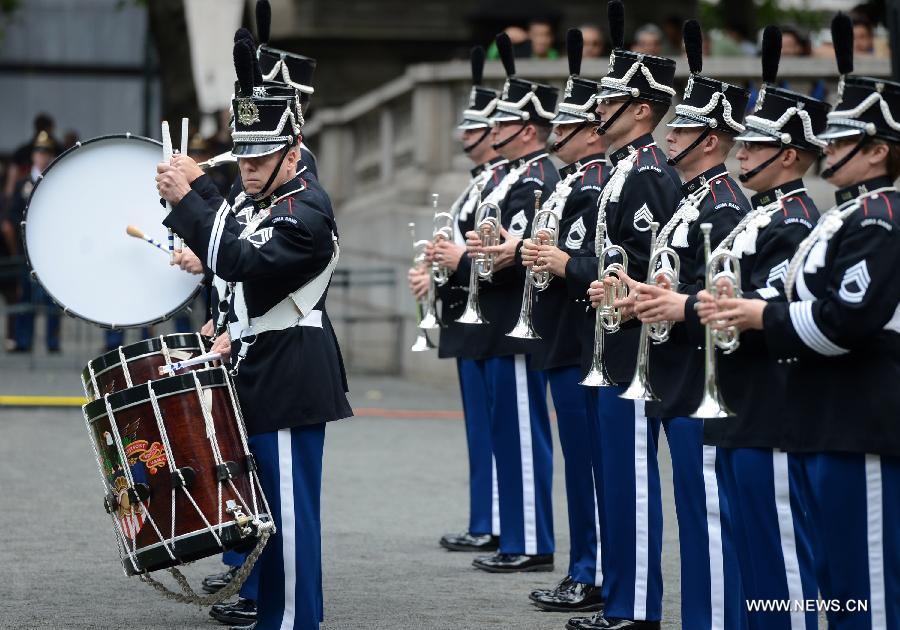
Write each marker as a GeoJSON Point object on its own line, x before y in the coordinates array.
{"type": "Point", "coordinates": [75, 236]}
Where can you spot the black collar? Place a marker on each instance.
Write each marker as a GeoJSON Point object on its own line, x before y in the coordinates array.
{"type": "Point", "coordinates": [527, 157]}
{"type": "Point", "coordinates": [769, 196]}
{"type": "Point", "coordinates": [708, 175]}
{"type": "Point", "coordinates": [637, 143]}
{"type": "Point", "coordinates": [857, 190]}
{"type": "Point", "coordinates": [574, 166]}
{"type": "Point", "coordinates": [497, 161]}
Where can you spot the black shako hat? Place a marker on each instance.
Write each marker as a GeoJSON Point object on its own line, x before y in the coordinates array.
{"type": "Point", "coordinates": [780, 115]}
{"type": "Point", "coordinates": [867, 106]}
{"type": "Point", "coordinates": [265, 119]}
{"type": "Point", "coordinates": [482, 100]}
{"type": "Point", "coordinates": [640, 76]}
{"type": "Point", "coordinates": [280, 65]}
{"type": "Point", "coordinates": [706, 101]}
{"type": "Point", "coordinates": [522, 100]}
{"type": "Point", "coordinates": [580, 97]}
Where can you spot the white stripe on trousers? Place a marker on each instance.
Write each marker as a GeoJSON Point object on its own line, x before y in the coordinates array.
{"type": "Point", "coordinates": [781, 476]}
{"type": "Point", "coordinates": [287, 527]}
{"type": "Point", "coordinates": [642, 512]}
{"type": "Point", "coordinates": [495, 498]}
{"type": "Point", "coordinates": [529, 504]}
{"type": "Point", "coordinates": [598, 569]}
{"type": "Point", "coordinates": [714, 532]}
{"type": "Point", "coordinates": [875, 536]}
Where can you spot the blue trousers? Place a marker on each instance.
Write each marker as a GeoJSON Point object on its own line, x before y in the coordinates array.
{"type": "Point", "coordinates": [484, 504]}
{"type": "Point", "coordinates": [854, 509]}
{"type": "Point", "coordinates": [290, 567]}
{"type": "Point", "coordinates": [710, 575]}
{"type": "Point", "coordinates": [523, 450]}
{"type": "Point", "coordinates": [630, 508]}
{"type": "Point", "coordinates": [575, 412]}
{"type": "Point", "coordinates": [771, 534]}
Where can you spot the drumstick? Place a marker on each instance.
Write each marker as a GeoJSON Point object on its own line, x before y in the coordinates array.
{"type": "Point", "coordinates": [137, 233]}
{"type": "Point", "coordinates": [184, 151]}
{"type": "Point", "coordinates": [171, 368]}
{"type": "Point", "coordinates": [167, 157]}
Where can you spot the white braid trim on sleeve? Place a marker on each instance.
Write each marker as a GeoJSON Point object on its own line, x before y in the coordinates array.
{"type": "Point", "coordinates": [773, 127]}
{"type": "Point", "coordinates": [701, 113]}
{"type": "Point", "coordinates": [286, 77]}
{"type": "Point", "coordinates": [516, 107]}
{"type": "Point", "coordinates": [838, 115]}
{"type": "Point", "coordinates": [622, 84]}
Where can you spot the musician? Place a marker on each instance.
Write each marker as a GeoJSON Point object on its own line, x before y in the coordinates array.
{"type": "Point", "coordinates": [838, 330]}
{"type": "Point", "coordinates": [484, 511]}
{"type": "Point", "coordinates": [762, 484]}
{"type": "Point", "coordinates": [700, 138]}
{"type": "Point", "coordinates": [520, 423]}
{"type": "Point", "coordinates": [288, 371]}
{"type": "Point", "coordinates": [558, 319]}
{"type": "Point", "coordinates": [634, 97]}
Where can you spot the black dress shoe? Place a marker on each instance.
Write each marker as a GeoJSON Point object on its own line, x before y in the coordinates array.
{"type": "Point", "coordinates": [217, 581]}
{"type": "Point", "coordinates": [249, 627]}
{"type": "Point", "coordinates": [470, 542]}
{"type": "Point", "coordinates": [544, 592]}
{"type": "Point", "coordinates": [243, 611]}
{"type": "Point", "coordinates": [599, 622]}
{"type": "Point", "coordinates": [514, 563]}
{"type": "Point", "coordinates": [575, 597]}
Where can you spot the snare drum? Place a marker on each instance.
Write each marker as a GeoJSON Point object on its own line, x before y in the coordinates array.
{"type": "Point", "coordinates": [179, 479]}
{"type": "Point", "coordinates": [139, 362]}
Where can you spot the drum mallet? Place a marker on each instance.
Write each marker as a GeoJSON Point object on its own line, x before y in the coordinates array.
{"type": "Point", "coordinates": [167, 157]}
{"type": "Point", "coordinates": [136, 232]}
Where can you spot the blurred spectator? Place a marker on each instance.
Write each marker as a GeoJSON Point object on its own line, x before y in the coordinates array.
{"type": "Point", "coordinates": [672, 27]}
{"type": "Point", "coordinates": [43, 150]}
{"type": "Point", "coordinates": [863, 37]}
{"type": "Point", "coordinates": [520, 41]}
{"type": "Point", "coordinates": [730, 41]}
{"type": "Point", "coordinates": [648, 40]}
{"type": "Point", "coordinates": [70, 139]}
{"type": "Point", "coordinates": [595, 44]}
{"type": "Point", "coordinates": [540, 32]}
{"type": "Point", "coordinates": [794, 43]}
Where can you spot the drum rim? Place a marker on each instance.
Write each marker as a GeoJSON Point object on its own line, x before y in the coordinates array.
{"type": "Point", "coordinates": [146, 347]}
{"type": "Point", "coordinates": [34, 275]}
{"type": "Point", "coordinates": [163, 387]}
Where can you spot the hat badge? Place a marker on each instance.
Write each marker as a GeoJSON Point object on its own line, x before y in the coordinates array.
{"type": "Point", "coordinates": [570, 85]}
{"type": "Point", "coordinates": [612, 62]}
{"type": "Point", "coordinates": [248, 112]}
{"type": "Point", "coordinates": [472, 97]}
{"type": "Point", "coordinates": [505, 94]}
{"type": "Point", "coordinates": [690, 86]}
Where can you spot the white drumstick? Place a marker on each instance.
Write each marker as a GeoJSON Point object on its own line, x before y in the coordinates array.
{"type": "Point", "coordinates": [136, 232]}
{"type": "Point", "coordinates": [167, 157]}
{"type": "Point", "coordinates": [184, 151]}
{"type": "Point", "coordinates": [171, 368]}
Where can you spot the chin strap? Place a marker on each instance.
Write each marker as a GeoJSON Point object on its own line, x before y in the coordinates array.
{"type": "Point", "coordinates": [605, 125]}
{"type": "Point", "coordinates": [503, 143]}
{"type": "Point", "coordinates": [831, 170]}
{"type": "Point", "coordinates": [468, 148]}
{"type": "Point", "coordinates": [746, 177]}
{"type": "Point", "coordinates": [556, 146]}
{"type": "Point", "coordinates": [672, 161]}
{"type": "Point", "coordinates": [262, 192]}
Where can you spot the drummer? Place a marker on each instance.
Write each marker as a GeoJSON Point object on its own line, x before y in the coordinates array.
{"type": "Point", "coordinates": [284, 356]}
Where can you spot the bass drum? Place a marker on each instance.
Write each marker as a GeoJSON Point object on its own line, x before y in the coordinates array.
{"type": "Point", "coordinates": [75, 239]}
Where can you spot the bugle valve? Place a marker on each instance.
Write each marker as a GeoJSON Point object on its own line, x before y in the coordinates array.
{"type": "Point", "coordinates": [544, 227]}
